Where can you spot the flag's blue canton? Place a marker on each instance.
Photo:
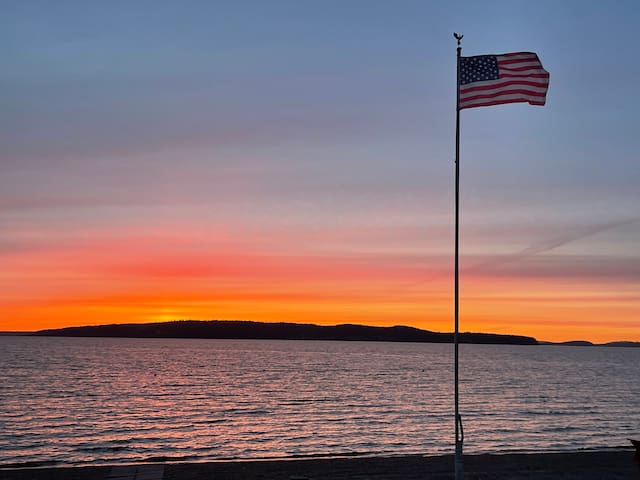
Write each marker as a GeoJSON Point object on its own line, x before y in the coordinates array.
{"type": "Point", "coordinates": [478, 69]}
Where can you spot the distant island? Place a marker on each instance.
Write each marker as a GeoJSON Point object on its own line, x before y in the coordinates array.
{"type": "Point", "coordinates": [586, 343]}
{"type": "Point", "coordinates": [233, 329]}
{"type": "Point", "coordinates": [244, 329]}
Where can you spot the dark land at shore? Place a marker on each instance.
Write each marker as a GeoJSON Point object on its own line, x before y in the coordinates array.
{"type": "Point", "coordinates": [600, 465]}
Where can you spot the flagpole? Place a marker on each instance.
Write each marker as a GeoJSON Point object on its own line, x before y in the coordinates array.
{"type": "Point", "coordinates": [458, 420]}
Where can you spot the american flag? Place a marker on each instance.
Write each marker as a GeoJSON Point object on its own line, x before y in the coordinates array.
{"type": "Point", "coordinates": [494, 79]}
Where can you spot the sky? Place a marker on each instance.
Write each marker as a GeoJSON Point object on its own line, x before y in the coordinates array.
{"type": "Point", "coordinates": [294, 161]}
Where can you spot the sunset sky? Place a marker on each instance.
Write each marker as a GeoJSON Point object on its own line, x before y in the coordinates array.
{"type": "Point", "coordinates": [293, 161]}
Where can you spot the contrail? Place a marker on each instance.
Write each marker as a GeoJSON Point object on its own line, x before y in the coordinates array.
{"type": "Point", "coordinates": [545, 246]}
{"type": "Point", "coordinates": [535, 249]}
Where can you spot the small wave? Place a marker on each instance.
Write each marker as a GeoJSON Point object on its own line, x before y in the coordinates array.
{"type": "Point", "coordinates": [246, 411]}
{"type": "Point", "coordinates": [307, 401]}
{"type": "Point", "coordinates": [168, 458]}
{"type": "Point", "coordinates": [102, 449]}
{"type": "Point", "coordinates": [210, 421]}
{"type": "Point", "coordinates": [31, 464]}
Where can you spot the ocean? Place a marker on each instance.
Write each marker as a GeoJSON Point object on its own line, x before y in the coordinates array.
{"type": "Point", "coordinates": [87, 401]}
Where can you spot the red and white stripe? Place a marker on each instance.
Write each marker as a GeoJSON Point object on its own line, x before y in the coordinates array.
{"type": "Point", "coordinates": [522, 79]}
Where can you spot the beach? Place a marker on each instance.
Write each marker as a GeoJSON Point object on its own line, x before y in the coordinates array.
{"type": "Point", "coordinates": [592, 465]}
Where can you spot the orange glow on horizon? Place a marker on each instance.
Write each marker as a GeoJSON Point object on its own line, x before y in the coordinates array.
{"type": "Point", "coordinates": [328, 303]}
{"type": "Point", "coordinates": [131, 279]}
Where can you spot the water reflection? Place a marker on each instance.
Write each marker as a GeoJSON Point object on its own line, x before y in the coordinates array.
{"type": "Point", "coordinates": [97, 400]}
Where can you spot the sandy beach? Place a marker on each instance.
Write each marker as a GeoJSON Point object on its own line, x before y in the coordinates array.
{"type": "Point", "coordinates": [600, 465]}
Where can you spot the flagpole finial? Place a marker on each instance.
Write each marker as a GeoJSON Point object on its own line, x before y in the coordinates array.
{"type": "Point", "coordinates": [458, 37]}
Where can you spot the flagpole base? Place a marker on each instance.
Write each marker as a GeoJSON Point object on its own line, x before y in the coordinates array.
{"type": "Point", "coordinates": [458, 463]}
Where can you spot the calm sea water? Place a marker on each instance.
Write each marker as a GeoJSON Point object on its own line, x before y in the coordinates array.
{"type": "Point", "coordinates": [97, 400]}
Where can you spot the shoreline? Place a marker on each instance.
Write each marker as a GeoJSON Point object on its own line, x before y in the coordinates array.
{"type": "Point", "coordinates": [540, 343]}
{"type": "Point", "coordinates": [584, 465]}
{"type": "Point", "coordinates": [179, 460]}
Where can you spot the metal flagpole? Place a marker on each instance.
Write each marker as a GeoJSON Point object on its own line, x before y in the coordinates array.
{"type": "Point", "coordinates": [458, 420]}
